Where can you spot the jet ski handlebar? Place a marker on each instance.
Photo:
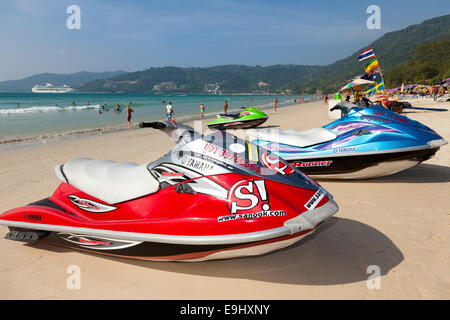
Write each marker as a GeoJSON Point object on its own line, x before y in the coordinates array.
{"type": "Point", "coordinates": [175, 131]}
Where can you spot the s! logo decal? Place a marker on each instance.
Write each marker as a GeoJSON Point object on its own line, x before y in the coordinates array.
{"type": "Point", "coordinates": [248, 196]}
{"type": "Point", "coordinates": [90, 205]}
{"type": "Point", "coordinates": [276, 165]}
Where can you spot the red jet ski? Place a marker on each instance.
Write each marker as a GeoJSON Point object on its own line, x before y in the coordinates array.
{"type": "Point", "coordinates": [211, 197]}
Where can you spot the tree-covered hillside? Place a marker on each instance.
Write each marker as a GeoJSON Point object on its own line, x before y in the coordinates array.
{"type": "Point", "coordinates": [430, 64]}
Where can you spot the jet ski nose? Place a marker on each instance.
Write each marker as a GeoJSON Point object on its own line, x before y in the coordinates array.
{"type": "Point", "coordinates": [312, 218]}
{"type": "Point", "coordinates": [437, 143]}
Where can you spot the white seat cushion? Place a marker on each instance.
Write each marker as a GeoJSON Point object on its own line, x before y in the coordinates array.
{"type": "Point", "coordinates": [296, 138]}
{"type": "Point", "coordinates": [110, 181]}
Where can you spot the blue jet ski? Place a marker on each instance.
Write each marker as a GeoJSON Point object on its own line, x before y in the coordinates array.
{"type": "Point", "coordinates": [364, 143]}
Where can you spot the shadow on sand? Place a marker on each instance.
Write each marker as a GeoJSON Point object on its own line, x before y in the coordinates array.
{"type": "Point", "coordinates": [338, 253]}
{"type": "Point", "coordinates": [423, 173]}
{"type": "Point", "coordinates": [267, 127]}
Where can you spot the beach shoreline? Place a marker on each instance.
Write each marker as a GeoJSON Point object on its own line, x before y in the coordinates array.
{"type": "Point", "coordinates": [397, 223]}
{"type": "Point", "coordinates": [20, 142]}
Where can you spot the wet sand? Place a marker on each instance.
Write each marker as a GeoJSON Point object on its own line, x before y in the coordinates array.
{"type": "Point", "coordinates": [399, 223]}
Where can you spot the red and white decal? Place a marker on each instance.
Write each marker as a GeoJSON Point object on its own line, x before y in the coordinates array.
{"type": "Point", "coordinates": [315, 199]}
{"type": "Point", "coordinates": [247, 196]}
{"type": "Point", "coordinates": [276, 165]}
{"type": "Point", "coordinates": [98, 243]}
{"type": "Point", "coordinates": [90, 205]}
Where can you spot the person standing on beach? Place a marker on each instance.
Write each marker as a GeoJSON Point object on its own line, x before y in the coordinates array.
{"type": "Point", "coordinates": [129, 111]}
{"type": "Point", "coordinates": [325, 101]}
{"type": "Point", "coordinates": [225, 106]}
{"type": "Point", "coordinates": [169, 111]}
{"type": "Point", "coordinates": [202, 111]}
{"type": "Point", "coordinates": [275, 103]}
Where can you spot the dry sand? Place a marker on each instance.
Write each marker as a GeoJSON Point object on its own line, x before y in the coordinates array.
{"type": "Point", "coordinates": [399, 223]}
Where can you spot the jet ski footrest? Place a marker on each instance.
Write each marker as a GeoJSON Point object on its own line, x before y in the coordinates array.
{"type": "Point", "coordinates": [25, 236]}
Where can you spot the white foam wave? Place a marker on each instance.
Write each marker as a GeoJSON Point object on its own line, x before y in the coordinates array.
{"type": "Point", "coordinates": [45, 109]}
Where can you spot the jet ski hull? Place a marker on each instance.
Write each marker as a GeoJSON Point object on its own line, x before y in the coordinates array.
{"type": "Point", "coordinates": [156, 251]}
{"type": "Point", "coordinates": [363, 166]}
{"type": "Point", "coordinates": [157, 247]}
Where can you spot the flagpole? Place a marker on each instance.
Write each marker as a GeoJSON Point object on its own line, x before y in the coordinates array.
{"type": "Point", "coordinates": [378, 69]}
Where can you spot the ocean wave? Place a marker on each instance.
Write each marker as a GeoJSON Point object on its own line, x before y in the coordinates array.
{"type": "Point", "coordinates": [63, 134]}
{"type": "Point", "coordinates": [45, 109]}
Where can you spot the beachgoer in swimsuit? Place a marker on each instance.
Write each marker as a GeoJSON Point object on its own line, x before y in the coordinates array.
{"type": "Point", "coordinates": [202, 111]}
{"type": "Point", "coordinates": [275, 103]}
{"type": "Point", "coordinates": [129, 111]}
{"type": "Point", "coordinates": [225, 107]}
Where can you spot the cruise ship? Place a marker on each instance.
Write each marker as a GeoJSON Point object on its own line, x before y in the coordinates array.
{"type": "Point", "coordinates": [49, 88]}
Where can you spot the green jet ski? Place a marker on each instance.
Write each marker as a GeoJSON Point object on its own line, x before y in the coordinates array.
{"type": "Point", "coordinates": [248, 118]}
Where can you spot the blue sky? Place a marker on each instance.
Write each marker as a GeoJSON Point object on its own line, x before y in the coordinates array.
{"type": "Point", "coordinates": [135, 35]}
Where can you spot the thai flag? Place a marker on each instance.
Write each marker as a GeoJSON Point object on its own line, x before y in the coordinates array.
{"type": "Point", "coordinates": [368, 54]}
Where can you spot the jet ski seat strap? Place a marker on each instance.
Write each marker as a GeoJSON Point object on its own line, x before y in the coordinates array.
{"type": "Point", "coordinates": [109, 181]}
{"type": "Point", "coordinates": [295, 138]}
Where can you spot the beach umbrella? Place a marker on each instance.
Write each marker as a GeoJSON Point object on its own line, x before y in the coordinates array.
{"type": "Point", "coordinates": [357, 84]}
{"type": "Point", "coordinates": [444, 82]}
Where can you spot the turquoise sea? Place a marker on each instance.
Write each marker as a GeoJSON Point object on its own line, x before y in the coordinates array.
{"type": "Point", "coordinates": [27, 116]}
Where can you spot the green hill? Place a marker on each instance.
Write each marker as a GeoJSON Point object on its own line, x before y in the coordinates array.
{"type": "Point", "coordinates": [392, 49]}
{"type": "Point", "coordinates": [25, 85]}
{"type": "Point", "coordinates": [430, 64]}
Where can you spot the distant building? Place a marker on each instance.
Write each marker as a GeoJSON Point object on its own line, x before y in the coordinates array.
{"type": "Point", "coordinates": [165, 86]}
{"type": "Point", "coordinates": [212, 88]}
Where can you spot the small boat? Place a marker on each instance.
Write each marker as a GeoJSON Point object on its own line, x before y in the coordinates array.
{"type": "Point", "coordinates": [248, 118]}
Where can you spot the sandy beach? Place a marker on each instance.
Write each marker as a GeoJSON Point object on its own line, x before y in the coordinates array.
{"type": "Point", "coordinates": [399, 223]}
